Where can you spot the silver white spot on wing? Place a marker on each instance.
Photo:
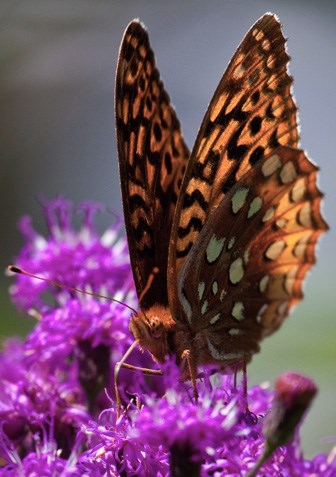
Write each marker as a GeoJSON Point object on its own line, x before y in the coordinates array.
{"type": "Point", "coordinates": [222, 295]}
{"type": "Point", "coordinates": [222, 356]}
{"type": "Point", "coordinates": [236, 332]}
{"type": "Point", "coordinates": [214, 287]}
{"type": "Point", "coordinates": [305, 217]}
{"type": "Point", "coordinates": [214, 248]}
{"type": "Point", "coordinates": [238, 311]}
{"type": "Point", "coordinates": [261, 313]}
{"type": "Point", "coordinates": [281, 223]}
{"type": "Point", "coordinates": [215, 318]}
{"type": "Point", "coordinates": [186, 305]}
{"type": "Point", "coordinates": [269, 214]}
{"type": "Point", "coordinates": [263, 283]}
{"type": "Point", "coordinates": [288, 173]}
{"type": "Point", "coordinates": [271, 165]}
{"type": "Point", "coordinates": [290, 280]}
{"type": "Point", "coordinates": [205, 306]}
{"type": "Point", "coordinates": [238, 199]}
{"type": "Point", "coordinates": [236, 271]}
{"type": "Point", "coordinates": [201, 288]}
{"type": "Point", "coordinates": [298, 190]}
{"type": "Point", "coordinates": [255, 206]}
{"type": "Point", "coordinates": [275, 249]}
{"type": "Point", "coordinates": [301, 246]}
{"type": "Point", "coordinates": [231, 243]}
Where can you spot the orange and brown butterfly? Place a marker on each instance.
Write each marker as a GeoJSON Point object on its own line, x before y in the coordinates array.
{"type": "Point", "coordinates": [231, 227]}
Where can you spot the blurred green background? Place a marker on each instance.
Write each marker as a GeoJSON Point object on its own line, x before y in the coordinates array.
{"type": "Point", "coordinates": [58, 60]}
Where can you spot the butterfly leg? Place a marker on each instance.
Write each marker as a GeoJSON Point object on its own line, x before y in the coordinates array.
{"type": "Point", "coordinates": [242, 366]}
{"type": "Point", "coordinates": [122, 364]}
{"type": "Point", "coordinates": [143, 370]}
{"type": "Point", "coordinates": [116, 376]}
{"type": "Point", "coordinates": [192, 371]}
{"type": "Point", "coordinates": [245, 398]}
{"type": "Point", "coordinates": [249, 417]}
{"type": "Point", "coordinates": [236, 370]}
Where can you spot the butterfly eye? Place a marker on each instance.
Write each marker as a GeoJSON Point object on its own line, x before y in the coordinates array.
{"type": "Point", "coordinates": [155, 326]}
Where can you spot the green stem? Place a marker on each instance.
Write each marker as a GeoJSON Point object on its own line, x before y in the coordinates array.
{"type": "Point", "coordinates": [268, 451]}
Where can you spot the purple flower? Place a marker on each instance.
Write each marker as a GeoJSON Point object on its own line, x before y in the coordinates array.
{"type": "Point", "coordinates": [33, 401]}
{"type": "Point", "coordinates": [54, 384]}
{"type": "Point", "coordinates": [60, 330]}
{"type": "Point", "coordinates": [75, 258]}
{"type": "Point", "coordinates": [45, 461]}
{"type": "Point", "coordinates": [110, 449]}
{"type": "Point", "coordinates": [141, 440]}
{"type": "Point", "coordinates": [93, 336]}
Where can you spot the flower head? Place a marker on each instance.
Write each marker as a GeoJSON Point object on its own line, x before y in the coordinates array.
{"type": "Point", "coordinates": [35, 401]}
{"type": "Point", "coordinates": [75, 258]}
{"type": "Point", "coordinates": [57, 409]}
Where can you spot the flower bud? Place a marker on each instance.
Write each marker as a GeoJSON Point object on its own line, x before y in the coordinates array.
{"type": "Point", "coordinates": [293, 394]}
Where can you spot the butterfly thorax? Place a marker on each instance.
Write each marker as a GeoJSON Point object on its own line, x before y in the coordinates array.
{"type": "Point", "coordinates": [154, 328]}
{"type": "Point", "coordinates": [161, 335]}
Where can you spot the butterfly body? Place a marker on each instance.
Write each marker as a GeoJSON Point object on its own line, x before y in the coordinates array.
{"type": "Point", "coordinates": [231, 227]}
{"type": "Point", "coordinates": [158, 333]}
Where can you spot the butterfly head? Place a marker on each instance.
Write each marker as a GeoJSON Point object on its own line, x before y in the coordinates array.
{"type": "Point", "coordinates": [151, 328]}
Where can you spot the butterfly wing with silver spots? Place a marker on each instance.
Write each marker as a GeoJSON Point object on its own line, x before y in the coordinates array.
{"type": "Point", "coordinates": [250, 115]}
{"type": "Point", "coordinates": [252, 255]}
{"type": "Point", "coordinates": [152, 158]}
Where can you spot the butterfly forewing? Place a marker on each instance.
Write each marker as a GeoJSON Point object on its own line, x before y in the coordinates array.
{"type": "Point", "coordinates": [251, 113]}
{"type": "Point", "coordinates": [152, 158]}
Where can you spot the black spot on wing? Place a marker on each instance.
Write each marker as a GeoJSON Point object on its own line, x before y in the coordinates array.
{"type": "Point", "coordinates": [235, 151]}
{"type": "Point", "coordinates": [273, 140]}
{"type": "Point", "coordinates": [142, 228]}
{"type": "Point", "coordinates": [137, 202]}
{"type": "Point", "coordinates": [207, 170]}
{"type": "Point", "coordinates": [194, 223]}
{"type": "Point", "coordinates": [183, 253]}
{"type": "Point", "coordinates": [195, 196]}
{"type": "Point", "coordinates": [256, 155]}
{"type": "Point", "coordinates": [157, 132]}
{"type": "Point", "coordinates": [168, 162]}
{"type": "Point", "coordinates": [255, 98]}
{"type": "Point", "coordinates": [255, 125]}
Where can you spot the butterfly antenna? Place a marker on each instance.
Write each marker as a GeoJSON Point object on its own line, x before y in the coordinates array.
{"type": "Point", "coordinates": [15, 269]}
{"type": "Point", "coordinates": [155, 271]}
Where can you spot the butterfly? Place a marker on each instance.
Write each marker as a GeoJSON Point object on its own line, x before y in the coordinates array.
{"type": "Point", "coordinates": [220, 238]}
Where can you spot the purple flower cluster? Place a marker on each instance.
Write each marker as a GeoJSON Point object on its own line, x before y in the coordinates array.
{"type": "Point", "coordinates": [57, 407]}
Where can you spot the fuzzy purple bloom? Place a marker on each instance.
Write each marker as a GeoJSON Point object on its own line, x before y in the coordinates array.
{"type": "Point", "coordinates": [57, 409]}
{"type": "Point", "coordinates": [34, 401]}
{"type": "Point", "coordinates": [93, 336]}
{"type": "Point", "coordinates": [75, 258]}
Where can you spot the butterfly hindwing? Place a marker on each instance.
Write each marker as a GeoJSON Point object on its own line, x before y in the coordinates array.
{"type": "Point", "coordinates": [251, 113]}
{"type": "Point", "coordinates": [152, 158]}
{"type": "Point", "coordinates": [247, 267]}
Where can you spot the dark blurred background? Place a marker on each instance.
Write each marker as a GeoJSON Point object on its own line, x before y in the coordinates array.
{"type": "Point", "coordinates": [58, 60]}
